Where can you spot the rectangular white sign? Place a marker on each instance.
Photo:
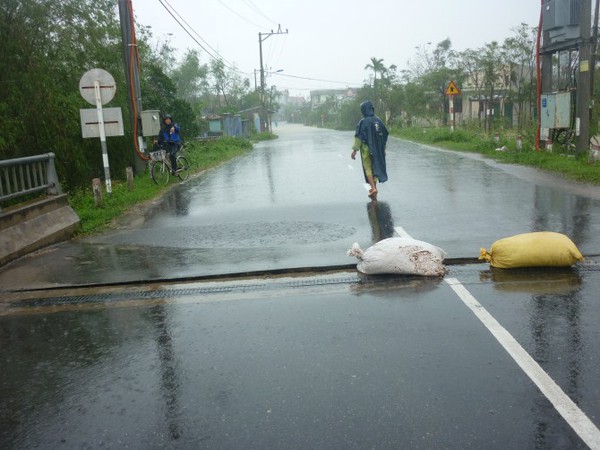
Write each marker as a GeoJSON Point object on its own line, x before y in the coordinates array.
{"type": "Point", "coordinates": [113, 122]}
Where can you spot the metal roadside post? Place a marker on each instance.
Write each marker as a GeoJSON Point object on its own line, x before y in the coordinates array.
{"type": "Point", "coordinates": [102, 136]}
{"type": "Point", "coordinates": [451, 108]}
{"type": "Point", "coordinates": [451, 90]}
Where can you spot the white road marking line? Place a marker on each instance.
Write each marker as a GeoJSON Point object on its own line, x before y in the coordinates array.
{"type": "Point", "coordinates": [574, 416]}
{"type": "Point", "coordinates": [401, 232]}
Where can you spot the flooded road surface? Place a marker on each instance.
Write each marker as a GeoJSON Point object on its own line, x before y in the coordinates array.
{"type": "Point", "coordinates": [299, 201]}
{"type": "Point", "coordinates": [135, 338]}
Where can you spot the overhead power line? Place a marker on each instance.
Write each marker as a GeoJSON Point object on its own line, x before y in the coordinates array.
{"type": "Point", "coordinates": [320, 80]}
{"type": "Point", "coordinates": [188, 29]}
{"type": "Point", "coordinates": [256, 9]}
{"type": "Point", "coordinates": [239, 15]}
{"type": "Point", "coordinates": [214, 54]}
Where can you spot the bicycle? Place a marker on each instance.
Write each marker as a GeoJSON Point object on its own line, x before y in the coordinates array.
{"type": "Point", "coordinates": [160, 166]}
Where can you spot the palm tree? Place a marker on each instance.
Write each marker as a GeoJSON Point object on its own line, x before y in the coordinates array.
{"type": "Point", "coordinates": [376, 66]}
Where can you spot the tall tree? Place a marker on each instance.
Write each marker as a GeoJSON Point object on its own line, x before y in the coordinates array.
{"type": "Point", "coordinates": [435, 68]}
{"type": "Point", "coordinates": [191, 77]}
{"type": "Point", "coordinates": [48, 45]}
{"type": "Point", "coordinates": [377, 66]}
{"type": "Point", "coordinates": [382, 87]}
{"type": "Point", "coordinates": [492, 68]}
{"type": "Point", "coordinates": [228, 84]}
{"type": "Point", "coordinates": [520, 57]}
{"type": "Point", "coordinates": [471, 65]}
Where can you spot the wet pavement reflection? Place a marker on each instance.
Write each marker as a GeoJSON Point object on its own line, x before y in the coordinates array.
{"type": "Point", "coordinates": [381, 220]}
{"type": "Point", "coordinates": [332, 360]}
{"type": "Point", "coordinates": [552, 313]}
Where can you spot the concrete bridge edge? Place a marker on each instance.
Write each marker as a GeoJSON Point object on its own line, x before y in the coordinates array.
{"type": "Point", "coordinates": [33, 226]}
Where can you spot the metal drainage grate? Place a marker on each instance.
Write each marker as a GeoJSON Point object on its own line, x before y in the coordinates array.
{"type": "Point", "coordinates": [174, 293]}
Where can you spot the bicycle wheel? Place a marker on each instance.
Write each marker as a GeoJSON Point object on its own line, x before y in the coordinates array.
{"type": "Point", "coordinates": [160, 172]}
{"type": "Point", "coordinates": [183, 167]}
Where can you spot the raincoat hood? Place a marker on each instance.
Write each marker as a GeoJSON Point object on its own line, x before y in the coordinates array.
{"type": "Point", "coordinates": [367, 108]}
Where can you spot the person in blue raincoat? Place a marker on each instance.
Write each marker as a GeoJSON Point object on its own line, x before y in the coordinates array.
{"type": "Point", "coordinates": [170, 139]}
{"type": "Point", "coordinates": [370, 140]}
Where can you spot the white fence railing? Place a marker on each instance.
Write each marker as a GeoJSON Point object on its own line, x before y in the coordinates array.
{"type": "Point", "coordinates": [29, 175]}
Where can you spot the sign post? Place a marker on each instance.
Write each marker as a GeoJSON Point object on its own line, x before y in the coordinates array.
{"type": "Point", "coordinates": [98, 87]}
{"type": "Point", "coordinates": [451, 104]}
{"type": "Point", "coordinates": [102, 136]}
{"type": "Point", "coordinates": [451, 91]}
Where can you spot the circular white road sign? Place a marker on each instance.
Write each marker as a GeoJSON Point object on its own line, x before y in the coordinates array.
{"type": "Point", "coordinates": [108, 87]}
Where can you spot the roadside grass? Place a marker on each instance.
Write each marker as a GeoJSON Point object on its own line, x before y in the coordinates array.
{"type": "Point", "coordinates": [202, 155]}
{"type": "Point", "coordinates": [264, 136]}
{"type": "Point", "coordinates": [578, 168]}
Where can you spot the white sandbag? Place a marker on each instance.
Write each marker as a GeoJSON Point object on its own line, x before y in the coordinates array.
{"type": "Point", "coordinates": [400, 256]}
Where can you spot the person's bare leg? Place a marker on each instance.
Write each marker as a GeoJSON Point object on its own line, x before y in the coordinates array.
{"type": "Point", "coordinates": [372, 183]}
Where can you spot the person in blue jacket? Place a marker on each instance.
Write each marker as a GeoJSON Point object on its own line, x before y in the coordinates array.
{"type": "Point", "coordinates": [370, 140]}
{"type": "Point", "coordinates": [170, 139]}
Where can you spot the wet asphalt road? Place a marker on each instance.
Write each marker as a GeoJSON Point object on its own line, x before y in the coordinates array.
{"type": "Point", "coordinates": [299, 201]}
{"type": "Point", "coordinates": [326, 360]}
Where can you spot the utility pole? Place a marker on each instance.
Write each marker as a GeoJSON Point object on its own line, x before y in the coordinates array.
{"type": "Point", "coordinates": [545, 85]}
{"type": "Point", "coordinates": [567, 29]}
{"type": "Point", "coordinates": [263, 110]}
{"type": "Point", "coordinates": [132, 76]}
{"type": "Point", "coordinates": [582, 117]}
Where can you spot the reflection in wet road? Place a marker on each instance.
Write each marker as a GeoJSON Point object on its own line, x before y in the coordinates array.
{"type": "Point", "coordinates": [326, 361]}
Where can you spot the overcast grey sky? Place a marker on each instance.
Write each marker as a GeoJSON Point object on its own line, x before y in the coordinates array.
{"type": "Point", "coordinates": [329, 41]}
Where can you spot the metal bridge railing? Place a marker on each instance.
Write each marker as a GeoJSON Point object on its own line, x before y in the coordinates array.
{"type": "Point", "coordinates": [23, 176]}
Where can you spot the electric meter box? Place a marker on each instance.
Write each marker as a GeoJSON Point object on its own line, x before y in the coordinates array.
{"type": "Point", "coordinates": [150, 122]}
{"type": "Point", "coordinates": [556, 110]}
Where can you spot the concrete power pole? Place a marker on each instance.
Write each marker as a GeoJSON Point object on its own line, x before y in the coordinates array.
{"type": "Point", "coordinates": [263, 110]}
{"type": "Point", "coordinates": [582, 115]}
{"type": "Point", "coordinates": [563, 30]}
{"type": "Point", "coordinates": [132, 76]}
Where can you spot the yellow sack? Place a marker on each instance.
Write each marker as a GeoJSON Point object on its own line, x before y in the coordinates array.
{"type": "Point", "coordinates": [540, 249]}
